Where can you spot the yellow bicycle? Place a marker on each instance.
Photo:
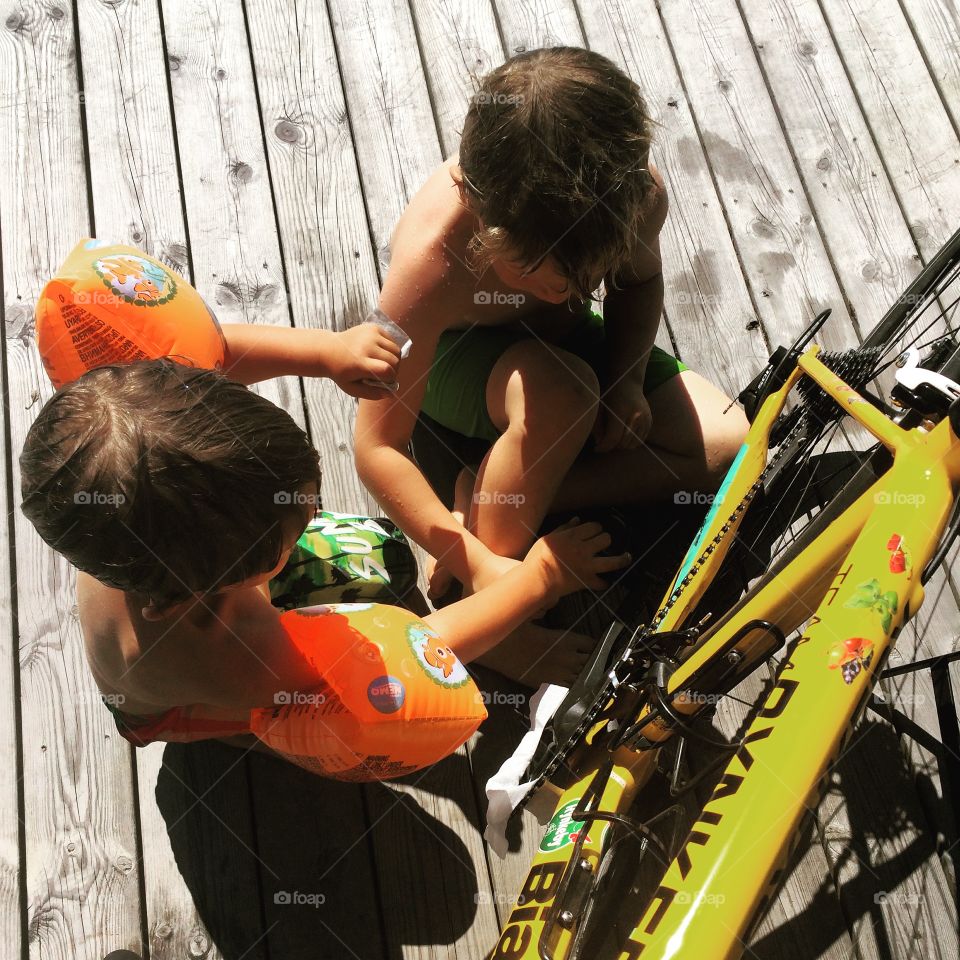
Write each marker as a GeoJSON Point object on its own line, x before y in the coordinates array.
{"type": "Point", "coordinates": [860, 528]}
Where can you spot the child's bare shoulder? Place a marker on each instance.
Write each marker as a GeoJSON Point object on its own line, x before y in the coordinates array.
{"type": "Point", "coordinates": [428, 249]}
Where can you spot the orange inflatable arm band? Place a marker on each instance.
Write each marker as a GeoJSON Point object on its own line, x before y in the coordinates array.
{"type": "Point", "coordinates": [112, 304]}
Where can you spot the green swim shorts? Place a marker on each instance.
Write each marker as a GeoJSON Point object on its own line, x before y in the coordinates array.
{"type": "Point", "coordinates": [456, 394]}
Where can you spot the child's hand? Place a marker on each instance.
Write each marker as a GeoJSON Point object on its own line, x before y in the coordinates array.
{"type": "Point", "coordinates": [568, 557]}
{"type": "Point", "coordinates": [361, 353]}
{"type": "Point", "coordinates": [625, 418]}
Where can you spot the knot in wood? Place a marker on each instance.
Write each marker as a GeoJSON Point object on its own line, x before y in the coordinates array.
{"type": "Point", "coordinates": [287, 131]}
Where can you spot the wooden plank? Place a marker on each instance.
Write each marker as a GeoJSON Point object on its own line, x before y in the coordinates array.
{"type": "Point", "coordinates": [872, 250]}
{"type": "Point", "coordinates": [397, 147]}
{"type": "Point", "coordinates": [539, 23]}
{"type": "Point", "coordinates": [459, 43]}
{"type": "Point", "coordinates": [901, 104]}
{"type": "Point", "coordinates": [202, 791]}
{"type": "Point", "coordinates": [136, 199]}
{"type": "Point", "coordinates": [392, 123]}
{"type": "Point", "coordinates": [774, 229]}
{"type": "Point", "coordinates": [330, 269]}
{"type": "Point", "coordinates": [935, 26]}
{"type": "Point", "coordinates": [12, 866]}
{"type": "Point", "coordinates": [235, 256]}
{"type": "Point", "coordinates": [707, 305]}
{"type": "Point", "coordinates": [82, 873]}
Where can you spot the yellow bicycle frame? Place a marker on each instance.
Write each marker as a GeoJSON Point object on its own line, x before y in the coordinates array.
{"type": "Point", "coordinates": [856, 585]}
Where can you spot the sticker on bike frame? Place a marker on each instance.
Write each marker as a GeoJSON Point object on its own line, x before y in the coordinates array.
{"type": "Point", "coordinates": [900, 560]}
{"type": "Point", "coordinates": [851, 656]}
{"type": "Point", "coordinates": [562, 830]}
{"type": "Point", "coordinates": [696, 546]}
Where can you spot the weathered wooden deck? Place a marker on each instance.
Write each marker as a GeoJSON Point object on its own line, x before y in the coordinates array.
{"type": "Point", "coordinates": [265, 149]}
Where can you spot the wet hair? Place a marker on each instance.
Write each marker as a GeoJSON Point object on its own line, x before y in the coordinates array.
{"type": "Point", "coordinates": [167, 480]}
{"type": "Point", "coordinates": [554, 160]}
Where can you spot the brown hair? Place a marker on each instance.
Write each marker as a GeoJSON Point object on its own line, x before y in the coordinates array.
{"type": "Point", "coordinates": [554, 158]}
{"type": "Point", "coordinates": [164, 479]}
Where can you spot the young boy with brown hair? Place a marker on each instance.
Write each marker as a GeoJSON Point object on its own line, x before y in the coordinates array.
{"type": "Point", "coordinates": [493, 266]}
{"type": "Point", "coordinates": [178, 494]}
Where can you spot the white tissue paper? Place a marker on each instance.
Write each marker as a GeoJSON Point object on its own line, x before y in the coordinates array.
{"type": "Point", "coordinates": [504, 790]}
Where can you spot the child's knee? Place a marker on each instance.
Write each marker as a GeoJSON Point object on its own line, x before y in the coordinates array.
{"type": "Point", "coordinates": [724, 440]}
{"type": "Point", "coordinates": [545, 387]}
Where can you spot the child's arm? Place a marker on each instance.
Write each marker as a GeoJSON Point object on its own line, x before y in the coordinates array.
{"type": "Point", "coordinates": [421, 292]}
{"type": "Point", "coordinates": [562, 562]}
{"type": "Point", "coordinates": [247, 634]}
{"type": "Point", "coordinates": [632, 311]}
{"type": "Point", "coordinates": [363, 352]}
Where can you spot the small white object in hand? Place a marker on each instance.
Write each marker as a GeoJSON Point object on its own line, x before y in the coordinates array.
{"type": "Point", "coordinates": [398, 337]}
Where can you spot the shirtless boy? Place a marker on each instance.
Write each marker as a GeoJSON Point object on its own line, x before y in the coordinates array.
{"type": "Point", "coordinates": [493, 266]}
{"type": "Point", "coordinates": [178, 494]}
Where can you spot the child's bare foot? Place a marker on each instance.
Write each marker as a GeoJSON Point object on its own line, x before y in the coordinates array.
{"type": "Point", "coordinates": [533, 655]}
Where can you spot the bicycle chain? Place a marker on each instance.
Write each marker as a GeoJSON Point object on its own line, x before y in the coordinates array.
{"type": "Point", "coordinates": [604, 696]}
